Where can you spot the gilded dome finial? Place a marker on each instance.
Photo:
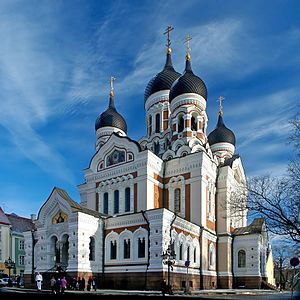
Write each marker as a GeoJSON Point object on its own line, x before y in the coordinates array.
{"type": "Point", "coordinates": [220, 100]}
{"type": "Point", "coordinates": [168, 30]}
{"type": "Point", "coordinates": [188, 49]}
{"type": "Point", "coordinates": [112, 79]}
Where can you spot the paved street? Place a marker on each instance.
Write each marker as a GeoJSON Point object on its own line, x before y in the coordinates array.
{"type": "Point", "coordinates": [136, 294]}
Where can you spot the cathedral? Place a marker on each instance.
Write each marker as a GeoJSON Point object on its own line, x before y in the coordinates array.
{"type": "Point", "coordinates": [157, 208]}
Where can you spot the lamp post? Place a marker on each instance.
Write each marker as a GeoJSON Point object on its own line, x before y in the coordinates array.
{"type": "Point", "coordinates": [34, 241]}
{"type": "Point", "coordinates": [187, 284]}
{"type": "Point", "coordinates": [169, 257]}
{"type": "Point", "coordinates": [9, 264]}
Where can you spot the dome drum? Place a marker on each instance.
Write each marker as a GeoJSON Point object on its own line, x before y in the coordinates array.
{"type": "Point", "coordinates": [188, 99]}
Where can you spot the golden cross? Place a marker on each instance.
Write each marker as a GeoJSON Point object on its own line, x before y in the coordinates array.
{"type": "Point", "coordinates": [220, 100]}
{"type": "Point", "coordinates": [187, 41]}
{"type": "Point", "coordinates": [112, 79]}
{"type": "Point", "coordinates": [168, 30]}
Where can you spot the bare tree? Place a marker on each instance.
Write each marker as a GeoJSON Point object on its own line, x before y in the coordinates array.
{"type": "Point", "coordinates": [275, 199]}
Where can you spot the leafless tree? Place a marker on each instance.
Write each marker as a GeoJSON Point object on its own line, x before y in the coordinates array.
{"type": "Point", "coordinates": [275, 199]}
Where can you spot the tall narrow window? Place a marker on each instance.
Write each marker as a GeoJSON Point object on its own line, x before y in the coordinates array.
{"type": "Point", "coordinates": [193, 123]}
{"type": "Point", "coordinates": [150, 125]}
{"type": "Point", "coordinates": [141, 247]}
{"type": "Point", "coordinates": [210, 206]}
{"type": "Point", "coordinates": [180, 252]}
{"type": "Point", "coordinates": [241, 259]}
{"type": "Point", "coordinates": [180, 123]}
{"type": "Point", "coordinates": [195, 255]}
{"type": "Point", "coordinates": [105, 203]}
{"type": "Point", "coordinates": [177, 200]}
{"type": "Point", "coordinates": [92, 249]}
{"type": "Point", "coordinates": [156, 147]}
{"type": "Point", "coordinates": [127, 248]}
{"type": "Point", "coordinates": [188, 253]}
{"type": "Point", "coordinates": [127, 199]}
{"type": "Point", "coordinates": [116, 202]}
{"type": "Point", "coordinates": [157, 123]}
{"type": "Point", "coordinates": [211, 255]}
{"type": "Point", "coordinates": [113, 250]}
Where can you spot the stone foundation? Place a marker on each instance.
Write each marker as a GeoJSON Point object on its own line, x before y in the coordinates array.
{"type": "Point", "coordinates": [253, 282]}
{"type": "Point", "coordinates": [225, 282]}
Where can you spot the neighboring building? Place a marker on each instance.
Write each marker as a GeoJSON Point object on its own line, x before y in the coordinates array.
{"type": "Point", "coordinates": [12, 242]}
{"type": "Point", "coordinates": [169, 190]}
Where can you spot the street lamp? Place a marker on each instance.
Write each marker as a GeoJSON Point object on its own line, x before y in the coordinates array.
{"type": "Point", "coordinates": [9, 264]}
{"type": "Point", "coordinates": [34, 241]}
{"type": "Point", "coordinates": [169, 257]}
{"type": "Point", "coordinates": [187, 284]}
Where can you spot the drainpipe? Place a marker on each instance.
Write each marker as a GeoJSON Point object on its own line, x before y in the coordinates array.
{"type": "Point", "coordinates": [103, 252]}
{"type": "Point", "coordinates": [216, 224]}
{"type": "Point", "coordinates": [148, 260]}
{"type": "Point", "coordinates": [200, 242]}
{"type": "Point", "coordinates": [163, 183]}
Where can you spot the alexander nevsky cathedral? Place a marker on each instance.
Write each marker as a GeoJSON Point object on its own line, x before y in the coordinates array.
{"type": "Point", "coordinates": [158, 208]}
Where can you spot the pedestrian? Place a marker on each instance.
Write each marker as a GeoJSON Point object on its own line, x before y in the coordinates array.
{"type": "Point", "coordinates": [163, 287]}
{"type": "Point", "coordinates": [52, 285]}
{"type": "Point", "coordinates": [63, 285]}
{"type": "Point", "coordinates": [39, 281]}
{"type": "Point", "coordinates": [89, 284]}
{"type": "Point", "coordinates": [82, 284]}
{"type": "Point", "coordinates": [18, 280]}
{"type": "Point", "coordinates": [94, 283]}
{"type": "Point", "coordinates": [57, 286]}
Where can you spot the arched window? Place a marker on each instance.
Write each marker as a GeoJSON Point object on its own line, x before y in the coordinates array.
{"type": "Point", "coordinates": [127, 248]}
{"type": "Point", "coordinates": [105, 203]}
{"type": "Point", "coordinates": [188, 253]}
{"type": "Point", "coordinates": [194, 123]}
{"type": "Point", "coordinates": [180, 123]}
{"type": "Point", "coordinates": [92, 249]}
{"type": "Point", "coordinates": [177, 200]}
{"type": "Point", "coordinates": [241, 259]}
{"type": "Point", "coordinates": [113, 250]}
{"type": "Point", "coordinates": [203, 126]}
{"type": "Point", "coordinates": [211, 255]}
{"type": "Point", "coordinates": [156, 147]}
{"type": "Point", "coordinates": [141, 247]}
{"type": "Point", "coordinates": [180, 252]}
{"type": "Point", "coordinates": [127, 199]}
{"type": "Point", "coordinates": [150, 125]}
{"type": "Point", "coordinates": [157, 123]}
{"type": "Point", "coordinates": [195, 255]}
{"type": "Point", "coordinates": [116, 202]}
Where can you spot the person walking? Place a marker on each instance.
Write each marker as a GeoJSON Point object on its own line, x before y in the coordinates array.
{"type": "Point", "coordinates": [163, 287]}
{"type": "Point", "coordinates": [39, 280]}
{"type": "Point", "coordinates": [94, 283]}
{"type": "Point", "coordinates": [52, 285]}
{"type": "Point", "coordinates": [63, 285]}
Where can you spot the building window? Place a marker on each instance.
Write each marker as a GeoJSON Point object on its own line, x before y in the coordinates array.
{"type": "Point", "coordinates": [113, 250]}
{"type": "Point", "coordinates": [150, 125]}
{"type": "Point", "coordinates": [92, 248]}
{"type": "Point", "coordinates": [180, 252]}
{"type": "Point", "coordinates": [127, 199]}
{"type": "Point", "coordinates": [105, 203]}
{"type": "Point", "coordinates": [141, 247]}
{"type": "Point", "coordinates": [211, 255]}
{"type": "Point", "coordinates": [195, 255]}
{"type": "Point", "coordinates": [177, 200]}
{"type": "Point", "coordinates": [194, 123]}
{"type": "Point", "coordinates": [156, 147]}
{"type": "Point", "coordinates": [157, 123]}
{"type": "Point", "coordinates": [116, 202]}
{"type": "Point", "coordinates": [180, 123]}
{"type": "Point", "coordinates": [210, 204]}
{"type": "Point", "coordinates": [241, 259]}
{"type": "Point", "coordinates": [21, 244]}
{"type": "Point", "coordinates": [127, 248]}
{"type": "Point", "coordinates": [188, 253]}
{"type": "Point", "coordinates": [21, 260]}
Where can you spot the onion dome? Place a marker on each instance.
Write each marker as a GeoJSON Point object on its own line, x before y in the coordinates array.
{"type": "Point", "coordinates": [110, 117]}
{"type": "Point", "coordinates": [188, 83]}
{"type": "Point", "coordinates": [221, 134]}
{"type": "Point", "coordinates": [164, 79]}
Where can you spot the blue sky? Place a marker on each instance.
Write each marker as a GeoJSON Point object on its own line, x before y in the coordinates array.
{"type": "Point", "coordinates": [56, 58]}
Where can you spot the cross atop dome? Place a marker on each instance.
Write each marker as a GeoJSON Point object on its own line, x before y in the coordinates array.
{"type": "Point", "coordinates": [220, 100]}
{"type": "Point", "coordinates": [168, 30]}
{"type": "Point", "coordinates": [112, 79]}
{"type": "Point", "coordinates": [188, 49]}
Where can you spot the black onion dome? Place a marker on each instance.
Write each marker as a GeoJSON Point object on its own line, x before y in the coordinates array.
{"type": "Point", "coordinates": [111, 118]}
{"type": "Point", "coordinates": [188, 83]}
{"type": "Point", "coordinates": [163, 80]}
{"type": "Point", "coordinates": [221, 134]}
